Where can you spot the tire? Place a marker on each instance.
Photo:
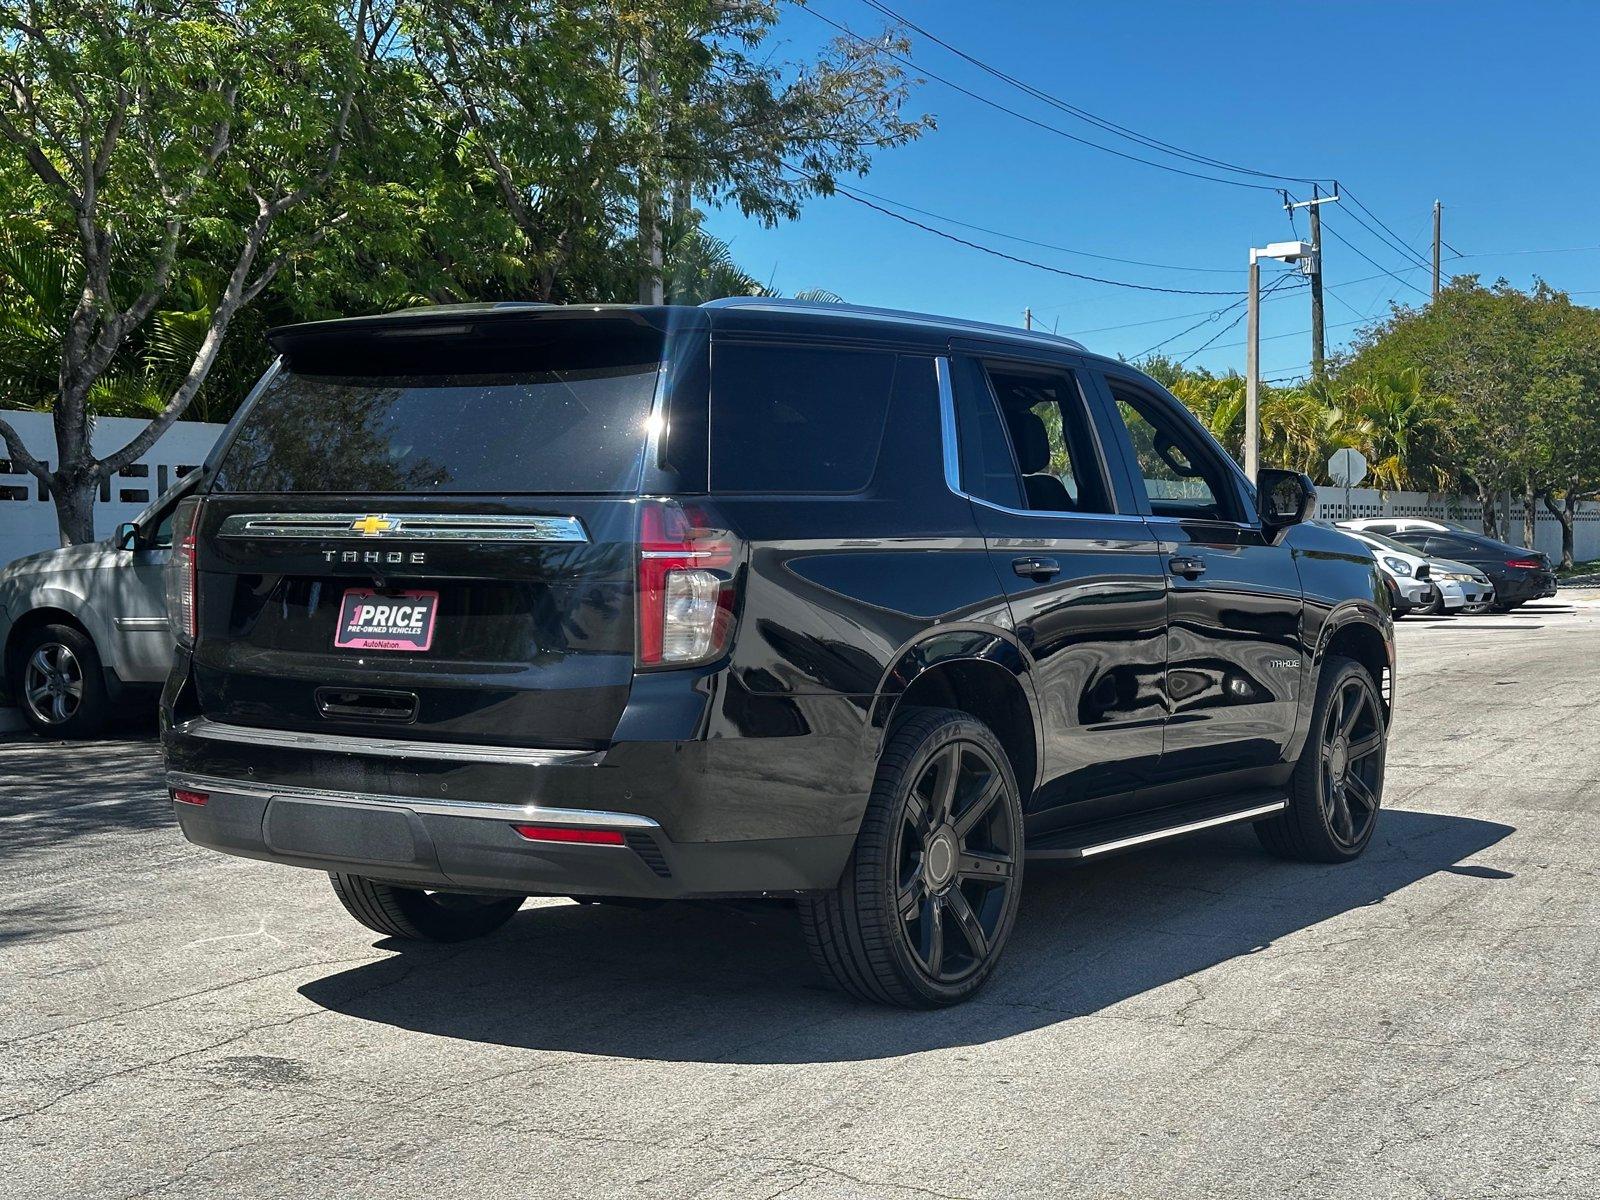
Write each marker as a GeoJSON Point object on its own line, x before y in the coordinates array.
{"type": "Point", "coordinates": [1505, 606]}
{"type": "Point", "coordinates": [1436, 607]}
{"type": "Point", "coordinates": [59, 683]}
{"type": "Point", "coordinates": [947, 857]}
{"type": "Point", "coordinates": [1336, 790]}
{"type": "Point", "coordinates": [421, 916]}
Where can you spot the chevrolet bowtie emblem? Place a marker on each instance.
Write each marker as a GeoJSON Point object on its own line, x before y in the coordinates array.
{"type": "Point", "coordinates": [371, 526]}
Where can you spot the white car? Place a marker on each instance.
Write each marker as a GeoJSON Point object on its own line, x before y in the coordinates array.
{"type": "Point", "coordinates": [1458, 585]}
{"type": "Point", "coordinates": [84, 628]}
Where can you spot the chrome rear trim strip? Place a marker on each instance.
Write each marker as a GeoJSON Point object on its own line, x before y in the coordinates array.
{"type": "Point", "coordinates": [475, 809]}
{"type": "Point", "coordinates": [1260, 810]}
{"type": "Point", "coordinates": [334, 743]}
{"type": "Point", "coordinates": [450, 527]}
{"type": "Point", "coordinates": [142, 624]}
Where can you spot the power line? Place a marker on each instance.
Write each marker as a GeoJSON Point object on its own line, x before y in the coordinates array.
{"type": "Point", "coordinates": [1404, 247]}
{"type": "Point", "coordinates": [1135, 262]}
{"type": "Point", "coordinates": [1330, 229]}
{"type": "Point", "coordinates": [877, 48]}
{"type": "Point", "coordinates": [1270, 288]}
{"type": "Point", "coordinates": [1026, 262]}
{"type": "Point", "coordinates": [1082, 114]}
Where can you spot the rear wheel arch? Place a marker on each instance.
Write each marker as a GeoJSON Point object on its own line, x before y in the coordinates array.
{"type": "Point", "coordinates": [993, 689]}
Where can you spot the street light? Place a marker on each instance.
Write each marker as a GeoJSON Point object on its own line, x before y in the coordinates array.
{"type": "Point", "coordinates": [1289, 252]}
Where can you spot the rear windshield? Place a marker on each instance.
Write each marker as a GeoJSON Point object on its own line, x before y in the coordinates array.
{"type": "Point", "coordinates": [577, 430]}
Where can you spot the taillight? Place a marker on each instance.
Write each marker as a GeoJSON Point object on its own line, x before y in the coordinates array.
{"type": "Point", "coordinates": [1524, 564]}
{"type": "Point", "coordinates": [685, 594]}
{"type": "Point", "coordinates": [183, 573]}
{"type": "Point", "coordinates": [185, 796]}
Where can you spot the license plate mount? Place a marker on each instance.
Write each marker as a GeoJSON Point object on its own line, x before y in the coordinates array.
{"type": "Point", "coordinates": [374, 620]}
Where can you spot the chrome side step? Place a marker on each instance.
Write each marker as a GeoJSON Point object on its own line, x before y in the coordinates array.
{"type": "Point", "coordinates": [1108, 837]}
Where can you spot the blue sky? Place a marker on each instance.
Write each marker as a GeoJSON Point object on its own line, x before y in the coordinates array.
{"type": "Point", "coordinates": [1490, 107]}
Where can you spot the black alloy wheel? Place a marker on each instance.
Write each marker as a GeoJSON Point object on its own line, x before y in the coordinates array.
{"type": "Point", "coordinates": [956, 855]}
{"type": "Point", "coordinates": [1352, 765]}
{"type": "Point", "coordinates": [1336, 790]}
{"type": "Point", "coordinates": [928, 898]}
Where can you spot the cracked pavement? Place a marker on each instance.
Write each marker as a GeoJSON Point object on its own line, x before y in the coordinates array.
{"type": "Point", "coordinates": [1199, 1020]}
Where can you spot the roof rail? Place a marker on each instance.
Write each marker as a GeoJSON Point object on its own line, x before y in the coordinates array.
{"type": "Point", "coordinates": [862, 311]}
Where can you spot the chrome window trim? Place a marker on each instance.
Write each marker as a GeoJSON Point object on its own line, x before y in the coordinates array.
{"type": "Point", "coordinates": [475, 809]}
{"type": "Point", "coordinates": [455, 527]}
{"type": "Point", "coordinates": [336, 743]}
{"type": "Point", "coordinates": [952, 460]}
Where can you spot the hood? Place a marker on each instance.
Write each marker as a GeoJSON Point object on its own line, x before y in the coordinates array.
{"type": "Point", "coordinates": [66, 558]}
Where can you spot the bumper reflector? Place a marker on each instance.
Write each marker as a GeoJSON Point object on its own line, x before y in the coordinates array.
{"type": "Point", "coordinates": [185, 796]}
{"type": "Point", "coordinates": [557, 833]}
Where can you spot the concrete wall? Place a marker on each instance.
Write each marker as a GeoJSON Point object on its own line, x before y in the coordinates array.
{"type": "Point", "coordinates": [28, 518]}
{"type": "Point", "coordinates": [1369, 502]}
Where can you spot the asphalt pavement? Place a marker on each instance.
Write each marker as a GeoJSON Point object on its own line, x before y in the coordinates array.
{"type": "Point", "coordinates": [1199, 1020]}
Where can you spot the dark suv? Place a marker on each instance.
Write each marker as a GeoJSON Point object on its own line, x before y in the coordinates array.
{"type": "Point", "coordinates": [853, 608]}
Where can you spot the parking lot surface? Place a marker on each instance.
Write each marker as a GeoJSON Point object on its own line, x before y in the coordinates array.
{"type": "Point", "coordinates": [1200, 1020]}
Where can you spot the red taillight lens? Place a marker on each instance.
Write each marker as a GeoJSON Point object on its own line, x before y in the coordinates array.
{"type": "Point", "coordinates": [185, 796]}
{"type": "Point", "coordinates": [558, 833]}
{"type": "Point", "coordinates": [1524, 564]}
{"type": "Point", "coordinates": [183, 574]}
{"type": "Point", "coordinates": [685, 593]}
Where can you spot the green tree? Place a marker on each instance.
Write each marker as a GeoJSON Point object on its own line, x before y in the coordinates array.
{"type": "Point", "coordinates": [587, 117]}
{"type": "Point", "coordinates": [144, 135]}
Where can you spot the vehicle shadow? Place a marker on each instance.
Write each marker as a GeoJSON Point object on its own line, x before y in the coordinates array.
{"type": "Point", "coordinates": [695, 983]}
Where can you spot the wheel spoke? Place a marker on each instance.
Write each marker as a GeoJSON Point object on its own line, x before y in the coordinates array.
{"type": "Point", "coordinates": [909, 901]}
{"type": "Point", "coordinates": [1363, 747]}
{"type": "Point", "coordinates": [60, 708]}
{"type": "Point", "coordinates": [942, 802]}
{"type": "Point", "coordinates": [1360, 792]}
{"type": "Point", "coordinates": [40, 661]}
{"type": "Point", "coordinates": [38, 692]}
{"type": "Point", "coordinates": [917, 816]}
{"type": "Point", "coordinates": [1351, 710]}
{"type": "Point", "coordinates": [930, 936]}
{"type": "Point", "coordinates": [993, 787]}
{"type": "Point", "coordinates": [967, 922]}
{"type": "Point", "coordinates": [1343, 825]}
{"type": "Point", "coordinates": [984, 866]}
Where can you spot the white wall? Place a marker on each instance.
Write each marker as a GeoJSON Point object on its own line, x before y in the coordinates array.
{"type": "Point", "coordinates": [1369, 502]}
{"type": "Point", "coordinates": [28, 518]}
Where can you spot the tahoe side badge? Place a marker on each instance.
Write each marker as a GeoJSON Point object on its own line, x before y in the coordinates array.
{"type": "Point", "coordinates": [370, 620]}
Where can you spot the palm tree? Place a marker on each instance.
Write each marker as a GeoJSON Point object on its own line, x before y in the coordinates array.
{"type": "Point", "coordinates": [699, 267]}
{"type": "Point", "coordinates": [1401, 426]}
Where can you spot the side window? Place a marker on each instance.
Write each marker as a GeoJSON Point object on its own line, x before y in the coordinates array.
{"type": "Point", "coordinates": [1180, 478]}
{"type": "Point", "coordinates": [1031, 433]}
{"type": "Point", "coordinates": [797, 418]}
{"type": "Point", "coordinates": [1442, 545]}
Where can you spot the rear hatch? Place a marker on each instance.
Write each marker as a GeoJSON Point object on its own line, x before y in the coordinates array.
{"type": "Point", "coordinates": [425, 529]}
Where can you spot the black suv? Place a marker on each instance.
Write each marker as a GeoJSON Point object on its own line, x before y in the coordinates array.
{"type": "Point", "coordinates": [853, 608]}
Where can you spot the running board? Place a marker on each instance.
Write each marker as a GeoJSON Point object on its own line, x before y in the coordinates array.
{"type": "Point", "coordinates": [1106, 837]}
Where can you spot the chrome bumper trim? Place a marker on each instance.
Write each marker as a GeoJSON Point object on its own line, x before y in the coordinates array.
{"type": "Point", "coordinates": [475, 809]}
{"type": "Point", "coordinates": [142, 624]}
{"type": "Point", "coordinates": [334, 743]}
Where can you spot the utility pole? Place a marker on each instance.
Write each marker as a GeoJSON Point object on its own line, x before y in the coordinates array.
{"type": "Point", "coordinates": [1289, 252]}
{"type": "Point", "coordinates": [652, 287]}
{"type": "Point", "coordinates": [1319, 341]}
{"type": "Point", "coordinates": [1027, 318]}
{"type": "Point", "coordinates": [1252, 373]}
{"type": "Point", "coordinates": [1437, 210]}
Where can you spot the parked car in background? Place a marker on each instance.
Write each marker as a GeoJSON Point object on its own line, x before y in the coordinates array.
{"type": "Point", "coordinates": [1404, 574]}
{"type": "Point", "coordinates": [838, 605]}
{"type": "Point", "coordinates": [84, 628]}
{"type": "Point", "coordinates": [1451, 586]}
{"type": "Point", "coordinates": [1517, 573]}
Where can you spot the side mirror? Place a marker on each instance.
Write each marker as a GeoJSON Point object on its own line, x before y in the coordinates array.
{"type": "Point", "coordinates": [1284, 498]}
{"type": "Point", "coordinates": [127, 536]}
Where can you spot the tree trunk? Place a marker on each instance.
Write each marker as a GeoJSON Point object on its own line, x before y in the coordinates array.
{"type": "Point", "coordinates": [74, 499]}
{"type": "Point", "coordinates": [1491, 522]}
{"type": "Point", "coordinates": [1565, 515]}
{"type": "Point", "coordinates": [1530, 513]}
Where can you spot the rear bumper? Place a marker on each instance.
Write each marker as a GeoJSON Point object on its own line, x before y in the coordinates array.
{"type": "Point", "coordinates": [471, 846]}
{"type": "Point", "coordinates": [1515, 589]}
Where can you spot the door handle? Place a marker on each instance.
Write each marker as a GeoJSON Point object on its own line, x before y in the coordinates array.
{"type": "Point", "coordinates": [1036, 569]}
{"type": "Point", "coordinates": [1187, 565]}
